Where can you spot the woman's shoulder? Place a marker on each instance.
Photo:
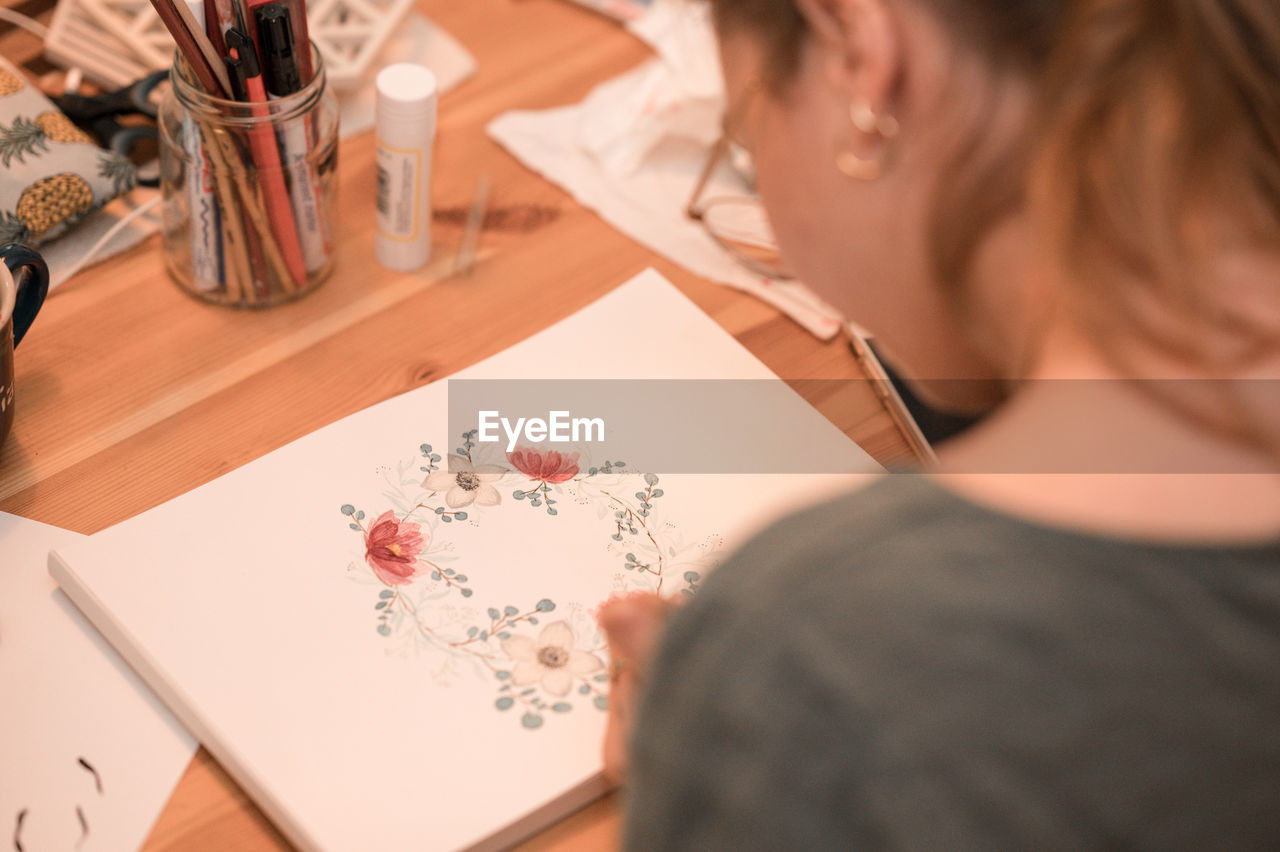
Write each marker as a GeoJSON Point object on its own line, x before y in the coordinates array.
{"type": "Point", "coordinates": [900, 535]}
{"type": "Point", "coordinates": [906, 579]}
{"type": "Point", "coordinates": [907, 541]}
{"type": "Point", "coordinates": [902, 645]}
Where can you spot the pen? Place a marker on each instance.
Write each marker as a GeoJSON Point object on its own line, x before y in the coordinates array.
{"type": "Point", "coordinates": [283, 77]}
{"type": "Point", "coordinates": [246, 84]}
{"type": "Point", "coordinates": [889, 399]}
{"type": "Point", "coordinates": [279, 52]}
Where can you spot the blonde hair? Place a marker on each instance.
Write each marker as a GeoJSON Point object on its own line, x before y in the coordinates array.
{"type": "Point", "coordinates": [1160, 141]}
{"type": "Point", "coordinates": [1152, 148]}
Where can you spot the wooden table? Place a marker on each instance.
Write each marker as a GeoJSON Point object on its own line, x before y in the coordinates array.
{"type": "Point", "coordinates": [131, 393]}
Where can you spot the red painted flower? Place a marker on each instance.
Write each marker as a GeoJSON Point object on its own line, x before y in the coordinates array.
{"type": "Point", "coordinates": [391, 547]}
{"type": "Point", "coordinates": [553, 467]}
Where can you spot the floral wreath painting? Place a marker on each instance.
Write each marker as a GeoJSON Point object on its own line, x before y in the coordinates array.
{"type": "Point", "coordinates": [543, 658]}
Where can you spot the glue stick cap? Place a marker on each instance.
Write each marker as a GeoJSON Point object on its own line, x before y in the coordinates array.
{"type": "Point", "coordinates": [405, 89]}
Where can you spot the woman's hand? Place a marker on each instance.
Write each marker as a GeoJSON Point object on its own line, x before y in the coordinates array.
{"type": "Point", "coordinates": [632, 624]}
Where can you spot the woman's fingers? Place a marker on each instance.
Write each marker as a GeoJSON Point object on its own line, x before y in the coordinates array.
{"type": "Point", "coordinates": [632, 625]}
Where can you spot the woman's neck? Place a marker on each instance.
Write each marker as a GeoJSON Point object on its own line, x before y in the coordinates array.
{"type": "Point", "coordinates": [1080, 445]}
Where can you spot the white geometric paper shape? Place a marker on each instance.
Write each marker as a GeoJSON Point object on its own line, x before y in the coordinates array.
{"type": "Point", "coordinates": [117, 41]}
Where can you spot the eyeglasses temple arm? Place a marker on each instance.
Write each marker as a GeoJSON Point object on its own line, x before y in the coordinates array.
{"type": "Point", "coordinates": [717, 151]}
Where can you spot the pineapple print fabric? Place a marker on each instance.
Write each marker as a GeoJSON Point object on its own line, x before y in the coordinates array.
{"type": "Point", "coordinates": [51, 172]}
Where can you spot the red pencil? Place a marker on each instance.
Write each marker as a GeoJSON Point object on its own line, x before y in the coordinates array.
{"type": "Point", "coordinates": [246, 81]}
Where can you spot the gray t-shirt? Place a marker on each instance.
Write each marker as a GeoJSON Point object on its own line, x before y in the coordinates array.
{"type": "Point", "coordinates": [902, 668]}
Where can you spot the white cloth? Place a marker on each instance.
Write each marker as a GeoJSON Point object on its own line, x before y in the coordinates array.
{"type": "Point", "coordinates": [633, 149]}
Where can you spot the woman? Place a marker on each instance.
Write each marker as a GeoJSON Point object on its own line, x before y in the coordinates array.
{"type": "Point", "coordinates": [1070, 634]}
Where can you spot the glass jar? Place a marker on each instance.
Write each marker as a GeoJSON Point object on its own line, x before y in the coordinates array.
{"type": "Point", "coordinates": [248, 190]}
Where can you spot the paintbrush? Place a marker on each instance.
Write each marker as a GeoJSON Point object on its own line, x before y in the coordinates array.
{"type": "Point", "coordinates": [466, 257]}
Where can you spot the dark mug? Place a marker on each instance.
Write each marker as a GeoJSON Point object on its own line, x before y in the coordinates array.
{"type": "Point", "coordinates": [24, 281]}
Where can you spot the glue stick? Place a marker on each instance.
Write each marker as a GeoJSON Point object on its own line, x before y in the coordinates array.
{"type": "Point", "coordinates": [406, 127]}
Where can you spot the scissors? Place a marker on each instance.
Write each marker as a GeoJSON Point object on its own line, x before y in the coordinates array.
{"type": "Point", "coordinates": [98, 114]}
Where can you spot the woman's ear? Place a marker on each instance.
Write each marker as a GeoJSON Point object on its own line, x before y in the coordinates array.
{"type": "Point", "coordinates": [857, 46]}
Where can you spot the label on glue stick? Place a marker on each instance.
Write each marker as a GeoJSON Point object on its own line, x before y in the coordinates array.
{"type": "Point", "coordinates": [399, 193]}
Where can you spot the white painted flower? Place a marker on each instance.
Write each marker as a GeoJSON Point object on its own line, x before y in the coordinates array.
{"type": "Point", "coordinates": [465, 483]}
{"type": "Point", "coordinates": [551, 660]}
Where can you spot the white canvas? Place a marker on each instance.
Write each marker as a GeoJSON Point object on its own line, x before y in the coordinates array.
{"type": "Point", "coordinates": [88, 756]}
{"type": "Point", "coordinates": [364, 708]}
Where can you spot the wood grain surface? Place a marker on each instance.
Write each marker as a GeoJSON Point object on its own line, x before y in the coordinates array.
{"type": "Point", "coordinates": [130, 393]}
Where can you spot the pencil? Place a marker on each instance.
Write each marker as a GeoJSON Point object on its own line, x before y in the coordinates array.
{"type": "Point", "coordinates": [202, 43]}
{"type": "Point", "coordinates": [186, 40]}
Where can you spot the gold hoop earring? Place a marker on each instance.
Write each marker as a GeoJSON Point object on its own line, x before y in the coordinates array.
{"type": "Point", "coordinates": [865, 120]}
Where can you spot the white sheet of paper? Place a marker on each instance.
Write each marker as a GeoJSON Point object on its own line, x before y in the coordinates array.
{"type": "Point", "coordinates": [68, 698]}
{"type": "Point", "coordinates": [365, 713]}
